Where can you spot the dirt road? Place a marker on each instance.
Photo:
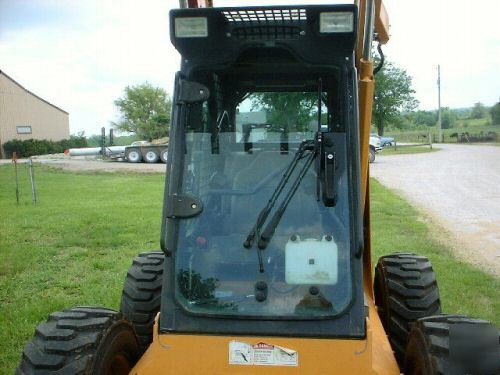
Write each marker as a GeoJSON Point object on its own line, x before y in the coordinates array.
{"type": "Point", "coordinates": [459, 186]}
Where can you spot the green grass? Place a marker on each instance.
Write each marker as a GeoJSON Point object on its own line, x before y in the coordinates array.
{"type": "Point", "coordinates": [473, 126]}
{"type": "Point", "coordinates": [75, 246]}
{"type": "Point", "coordinates": [407, 150]}
{"type": "Point", "coordinates": [396, 226]}
{"type": "Point", "coordinates": [412, 136]}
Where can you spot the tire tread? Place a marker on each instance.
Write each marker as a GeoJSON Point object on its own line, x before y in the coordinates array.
{"type": "Point", "coordinates": [65, 343]}
{"type": "Point", "coordinates": [141, 297]}
{"type": "Point", "coordinates": [412, 293]}
{"type": "Point", "coordinates": [435, 331]}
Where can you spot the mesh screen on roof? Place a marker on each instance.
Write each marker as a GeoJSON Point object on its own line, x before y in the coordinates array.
{"type": "Point", "coordinates": [266, 32]}
{"type": "Point", "coordinates": [265, 15]}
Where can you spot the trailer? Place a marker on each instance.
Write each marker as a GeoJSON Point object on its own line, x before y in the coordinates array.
{"type": "Point", "coordinates": [145, 151]}
{"type": "Point", "coordinates": [135, 153]}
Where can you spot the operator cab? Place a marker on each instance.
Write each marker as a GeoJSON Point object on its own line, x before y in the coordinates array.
{"type": "Point", "coordinates": [261, 201]}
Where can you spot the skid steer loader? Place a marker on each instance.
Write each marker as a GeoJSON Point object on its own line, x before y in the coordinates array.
{"type": "Point", "coordinates": [265, 264]}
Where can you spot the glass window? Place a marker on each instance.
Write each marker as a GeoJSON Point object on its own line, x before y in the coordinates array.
{"type": "Point", "coordinates": [234, 165]}
{"type": "Point", "coordinates": [23, 129]}
{"type": "Point", "coordinates": [270, 116]}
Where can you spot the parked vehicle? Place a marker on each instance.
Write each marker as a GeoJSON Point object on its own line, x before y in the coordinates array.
{"type": "Point", "coordinates": [387, 141]}
{"type": "Point", "coordinates": [146, 151]}
{"type": "Point", "coordinates": [375, 146]}
{"type": "Point", "coordinates": [135, 153]}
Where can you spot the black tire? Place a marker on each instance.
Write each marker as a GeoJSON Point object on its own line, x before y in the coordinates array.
{"type": "Point", "coordinates": [81, 340]}
{"type": "Point", "coordinates": [163, 155]}
{"type": "Point", "coordinates": [371, 156]}
{"type": "Point", "coordinates": [133, 155]}
{"type": "Point", "coordinates": [151, 155]}
{"type": "Point", "coordinates": [428, 351]}
{"type": "Point", "coordinates": [405, 290]}
{"type": "Point", "coordinates": [142, 294]}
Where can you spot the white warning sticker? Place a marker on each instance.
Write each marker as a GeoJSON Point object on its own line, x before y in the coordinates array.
{"type": "Point", "coordinates": [261, 354]}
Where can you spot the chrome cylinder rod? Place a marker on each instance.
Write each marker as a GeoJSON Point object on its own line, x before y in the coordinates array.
{"type": "Point", "coordinates": [369, 25]}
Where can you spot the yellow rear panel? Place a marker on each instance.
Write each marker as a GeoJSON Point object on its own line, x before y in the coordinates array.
{"type": "Point", "coordinates": [209, 354]}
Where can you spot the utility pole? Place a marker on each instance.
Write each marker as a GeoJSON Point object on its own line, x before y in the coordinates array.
{"type": "Point", "coordinates": [440, 128]}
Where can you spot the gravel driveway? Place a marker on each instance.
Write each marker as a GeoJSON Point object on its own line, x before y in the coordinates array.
{"type": "Point", "coordinates": [82, 163]}
{"type": "Point", "coordinates": [459, 186]}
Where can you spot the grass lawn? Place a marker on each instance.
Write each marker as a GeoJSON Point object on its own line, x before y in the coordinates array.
{"type": "Point", "coordinates": [407, 150]}
{"type": "Point", "coordinates": [472, 126]}
{"type": "Point", "coordinates": [75, 245]}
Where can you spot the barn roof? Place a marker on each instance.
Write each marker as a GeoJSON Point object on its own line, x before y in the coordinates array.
{"type": "Point", "coordinates": [31, 93]}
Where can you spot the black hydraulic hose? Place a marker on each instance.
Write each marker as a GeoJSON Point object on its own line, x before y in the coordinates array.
{"type": "Point", "coordinates": [264, 213]}
{"type": "Point", "coordinates": [382, 59]}
{"type": "Point", "coordinates": [268, 232]}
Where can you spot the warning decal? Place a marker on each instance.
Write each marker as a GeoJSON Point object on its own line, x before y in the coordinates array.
{"type": "Point", "coordinates": [261, 354]}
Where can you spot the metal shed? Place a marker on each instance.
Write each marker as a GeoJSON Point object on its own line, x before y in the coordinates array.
{"type": "Point", "coordinates": [24, 115]}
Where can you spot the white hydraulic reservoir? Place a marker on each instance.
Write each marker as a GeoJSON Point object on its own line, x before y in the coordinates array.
{"type": "Point", "coordinates": [311, 261]}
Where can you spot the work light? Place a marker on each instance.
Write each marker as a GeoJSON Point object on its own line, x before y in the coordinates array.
{"type": "Point", "coordinates": [336, 22]}
{"type": "Point", "coordinates": [191, 27]}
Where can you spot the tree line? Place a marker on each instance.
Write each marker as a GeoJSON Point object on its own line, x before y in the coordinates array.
{"type": "Point", "coordinates": [145, 110]}
{"type": "Point", "coordinates": [449, 116]}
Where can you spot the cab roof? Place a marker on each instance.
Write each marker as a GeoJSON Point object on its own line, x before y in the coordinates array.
{"type": "Point", "coordinates": [220, 35]}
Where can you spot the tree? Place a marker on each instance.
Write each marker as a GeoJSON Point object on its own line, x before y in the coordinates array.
{"type": "Point", "coordinates": [145, 110]}
{"type": "Point", "coordinates": [448, 118]}
{"type": "Point", "coordinates": [393, 94]}
{"type": "Point", "coordinates": [290, 110]}
{"type": "Point", "coordinates": [495, 114]}
{"type": "Point", "coordinates": [428, 118]}
{"type": "Point", "coordinates": [478, 111]}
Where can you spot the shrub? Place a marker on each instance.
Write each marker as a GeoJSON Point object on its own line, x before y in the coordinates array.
{"type": "Point", "coordinates": [495, 114]}
{"type": "Point", "coordinates": [31, 147]}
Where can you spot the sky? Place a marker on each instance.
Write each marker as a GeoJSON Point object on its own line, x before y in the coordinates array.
{"type": "Point", "coordinates": [81, 54]}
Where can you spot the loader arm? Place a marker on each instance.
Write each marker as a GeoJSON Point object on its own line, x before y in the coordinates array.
{"type": "Point", "coordinates": [373, 14]}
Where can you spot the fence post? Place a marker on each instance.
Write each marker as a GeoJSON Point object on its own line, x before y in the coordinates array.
{"type": "Point", "coordinates": [14, 160]}
{"type": "Point", "coordinates": [430, 140]}
{"type": "Point", "coordinates": [32, 179]}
